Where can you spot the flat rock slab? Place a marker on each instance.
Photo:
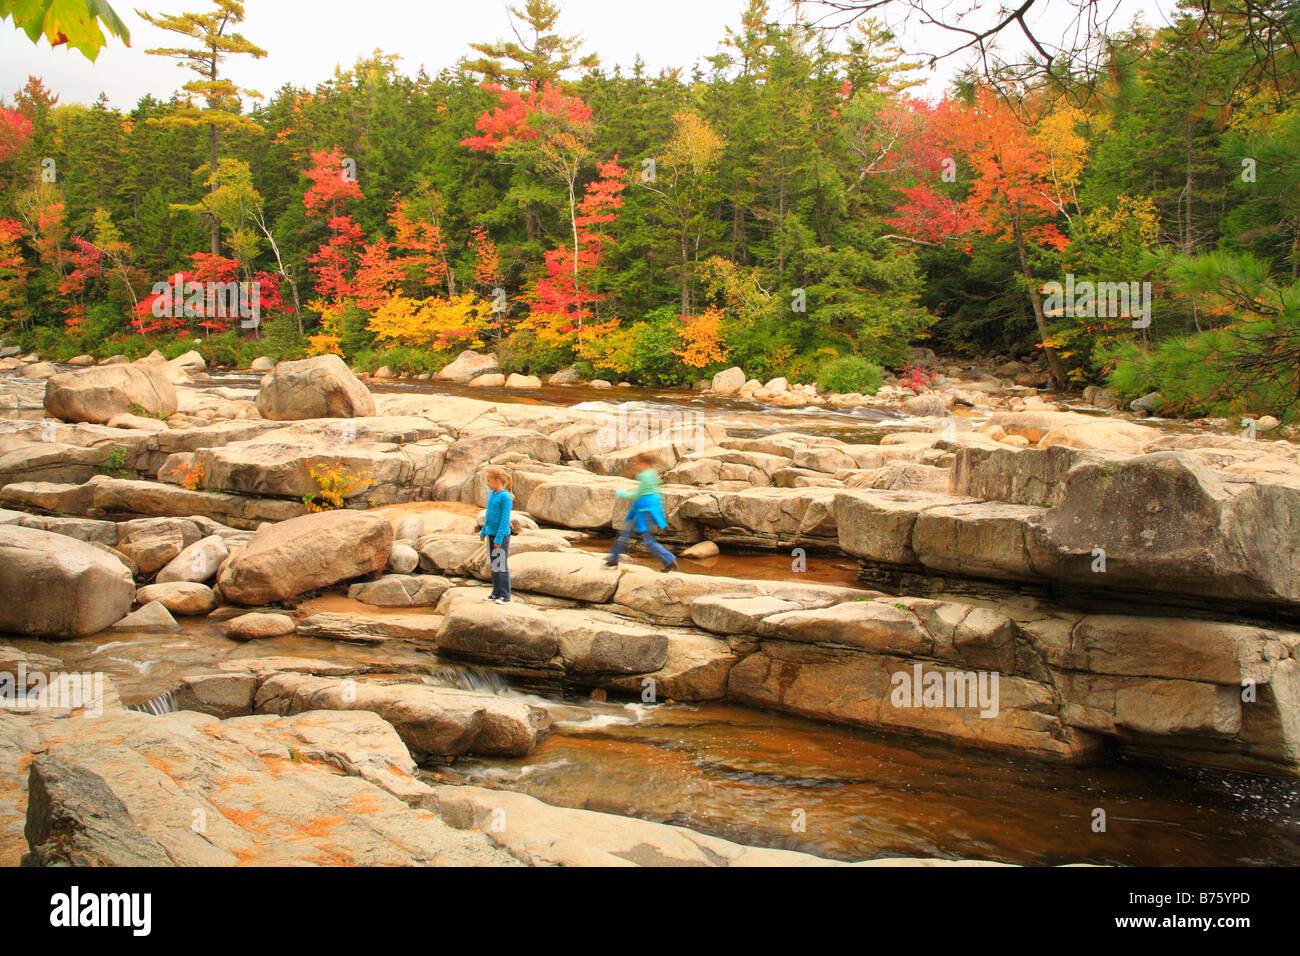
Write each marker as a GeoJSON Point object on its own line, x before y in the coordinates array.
{"type": "Point", "coordinates": [370, 628]}
{"type": "Point", "coordinates": [316, 789]}
{"type": "Point", "coordinates": [542, 835]}
{"type": "Point", "coordinates": [434, 722]}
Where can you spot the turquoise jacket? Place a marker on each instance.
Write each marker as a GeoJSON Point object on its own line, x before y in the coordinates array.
{"type": "Point", "coordinates": [645, 501]}
{"type": "Point", "coordinates": [651, 506]}
{"type": "Point", "coordinates": [497, 523]}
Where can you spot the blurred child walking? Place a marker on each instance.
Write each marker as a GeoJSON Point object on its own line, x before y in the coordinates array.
{"type": "Point", "coordinates": [496, 529]}
{"type": "Point", "coordinates": [647, 505]}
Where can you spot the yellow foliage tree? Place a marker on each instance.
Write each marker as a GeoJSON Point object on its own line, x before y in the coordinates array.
{"type": "Point", "coordinates": [329, 340]}
{"type": "Point", "coordinates": [607, 346]}
{"type": "Point", "coordinates": [552, 329]}
{"type": "Point", "coordinates": [434, 322]}
{"type": "Point", "coordinates": [701, 337]}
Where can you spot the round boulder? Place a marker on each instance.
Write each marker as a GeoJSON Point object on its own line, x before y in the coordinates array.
{"type": "Point", "coordinates": [319, 387]}
{"type": "Point", "coordinates": [251, 627]}
{"type": "Point", "coordinates": [729, 382]}
{"type": "Point", "coordinates": [103, 392]}
{"type": "Point", "coordinates": [469, 365]}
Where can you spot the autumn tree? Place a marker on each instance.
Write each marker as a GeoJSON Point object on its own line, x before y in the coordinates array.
{"type": "Point", "coordinates": [236, 205]}
{"type": "Point", "coordinates": [332, 186]}
{"type": "Point", "coordinates": [683, 184]}
{"type": "Point", "coordinates": [1016, 192]}
{"type": "Point", "coordinates": [217, 41]}
{"type": "Point", "coordinates": [569, 285]}
{"type": "Point", "coordinates": [13, 275]}
{"type": "Point", "coordinates": [417, 228]}
{"type": "Point", "coordinates": [546, 129]}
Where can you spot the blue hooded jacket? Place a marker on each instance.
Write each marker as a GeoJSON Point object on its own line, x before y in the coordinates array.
{"type": "Point", "coordinates": [647, 505]}
{"type": "Point", "coordinates": [496, 524]}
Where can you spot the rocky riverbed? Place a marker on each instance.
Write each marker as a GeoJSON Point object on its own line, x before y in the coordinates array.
{"type": "Point", "coordinates": [1094, 588]}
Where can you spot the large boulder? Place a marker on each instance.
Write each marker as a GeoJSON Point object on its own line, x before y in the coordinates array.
{"type": "Point", "coordinates": [305, 554]}
{"type": "Point", "coordinates": [592, 644]}
{"type": "Point", "coordinates": [729, 381]}
{"type": "Point", "coordinates": [320, 387]}
{"type": "Point", "coordinates": [565, 376]}
{"type": "Point", "coordinates": [1105, 434]}
{"type": "Point", "coordinates": [1165, 522]}
{"type": "Point", "coordinates": [490, 632]}
{"type": "Point", "coordinates": [57, 586]}
{"type": "Point", "coordinates": [469, 365]}
{"type": "Point", "coordinates": [101, 393]}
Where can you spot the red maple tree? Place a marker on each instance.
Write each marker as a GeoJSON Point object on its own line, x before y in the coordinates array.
{"type": "Point", "coordinates": [331, 187]}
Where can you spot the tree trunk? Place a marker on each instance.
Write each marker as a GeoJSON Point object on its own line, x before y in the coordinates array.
{"type": "Point", "coordinates": [573, 223]}
{"type": "Point", "coordinates": [686, 275]}
{"type": "Point", "coordinates": [1053, 360]}
{"type": "Point", "coordinates": [1189, 239]}
{"type": "Point", "coordinates": [212, 156]}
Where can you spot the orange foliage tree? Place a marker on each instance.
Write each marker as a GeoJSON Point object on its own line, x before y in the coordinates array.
{"type": "Point", "coordinates": [1015, 195]}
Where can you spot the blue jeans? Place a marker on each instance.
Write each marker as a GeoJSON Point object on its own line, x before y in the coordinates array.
{"type": "Point", "coordinates": [647, 538]}
{"type": "Point", "coordinates": [498, 555]}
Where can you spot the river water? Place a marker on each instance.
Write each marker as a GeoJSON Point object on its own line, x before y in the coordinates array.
{"type": "Point", "coordinates": [779, 781]}
{"type": "Point", "coordinates": [787, 782]}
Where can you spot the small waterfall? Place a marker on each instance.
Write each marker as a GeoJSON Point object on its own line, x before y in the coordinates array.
{"type": "Point", "coordinates": [469, 678]}
{"type": "Point", "coordinates": [164, 703]}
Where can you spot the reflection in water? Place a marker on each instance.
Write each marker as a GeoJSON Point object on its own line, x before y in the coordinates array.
{"type": "Point", "coordinates": [753, 777]}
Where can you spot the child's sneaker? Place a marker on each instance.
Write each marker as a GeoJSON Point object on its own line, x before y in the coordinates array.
{"type": "Point", "coordinates": [503, 600]}
{"type": "Point", "coordinates": [492, 597]}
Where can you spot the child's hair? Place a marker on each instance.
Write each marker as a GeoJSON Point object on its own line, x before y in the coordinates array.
{"type": "Point", "coordinates": [500, 474]}
{"type": "Point", "coordinates": [643, 458]}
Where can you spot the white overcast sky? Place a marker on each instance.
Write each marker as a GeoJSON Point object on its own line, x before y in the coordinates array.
{"type": "Point", "coordinates": [306, 39]}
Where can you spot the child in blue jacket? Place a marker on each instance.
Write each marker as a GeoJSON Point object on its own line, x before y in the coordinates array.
{"type": "Point", "coordinates": [647, 505]}
{"type": "Point", "coordinates": [496, 529]}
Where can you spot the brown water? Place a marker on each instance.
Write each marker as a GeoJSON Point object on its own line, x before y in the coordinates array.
{"type": "Point", "coordinates": [754, 777]}
{"type": "Point", "coordinates": [820, 568]}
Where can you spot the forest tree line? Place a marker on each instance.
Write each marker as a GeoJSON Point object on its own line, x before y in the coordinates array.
{"type": "Point", "coordinates": [791, 205]}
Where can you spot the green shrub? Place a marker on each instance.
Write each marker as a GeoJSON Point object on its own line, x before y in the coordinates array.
{"type": "Point", "coordinates": [652, 358]}
{"type": "Point", "coordinates": [356, 335]}
{"type": "Point", "coordinates": [103, 321]}
{"type": "Point", "coordinates": [522, 352]}
{"type": "Point", "coordinates": [179, 345]}
{"type": "Point", "coordinates": [54, 345]}
{"type": "Point", "coordinates": [851, 373]}
{"type": "Point", "coordinates": [403, 359]}
{"type": "Point", "coordinates": [221, 350]}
